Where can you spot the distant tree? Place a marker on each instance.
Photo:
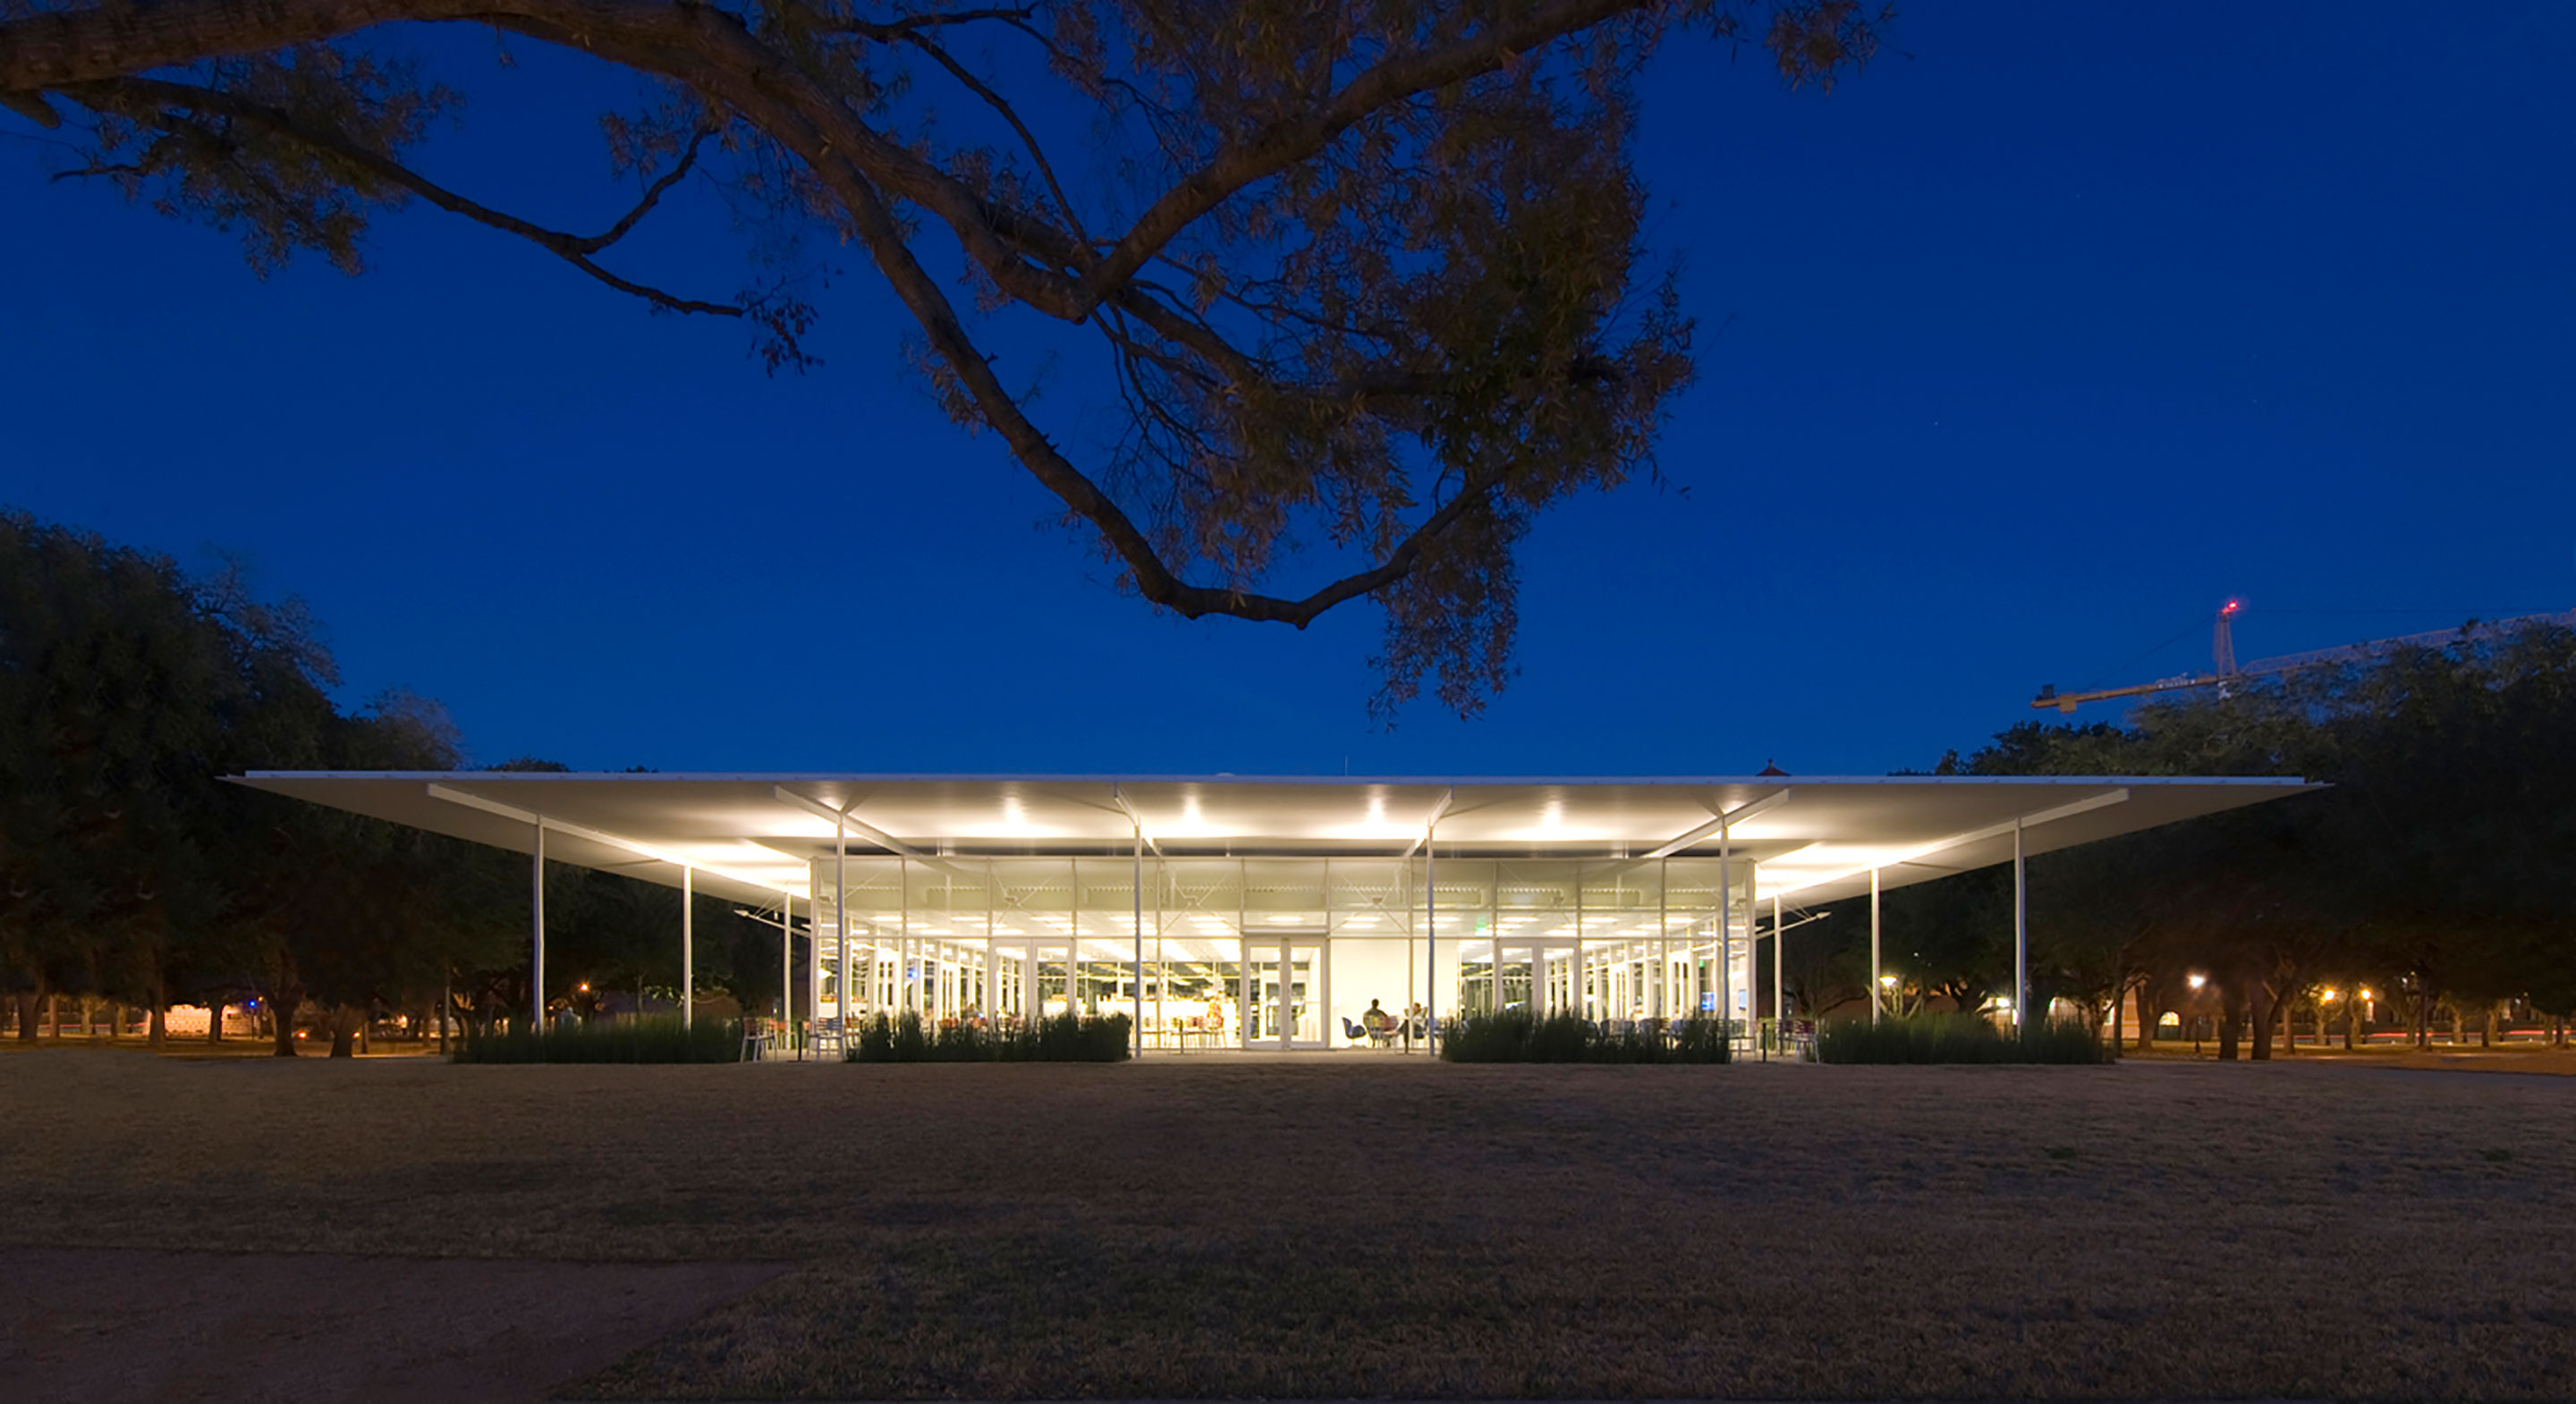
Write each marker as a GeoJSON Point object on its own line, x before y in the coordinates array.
{"type": "Point", "coordinates": [129, 870]}
{"type": "Point", "coordinates": [1370, 280]}
{"type": "Point", "coordinates": [118, 690]}
{"type": "Point", "coordinates": [2434, 867]}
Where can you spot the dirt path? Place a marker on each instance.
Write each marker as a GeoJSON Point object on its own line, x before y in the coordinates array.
{"type": "Point", "coordinates": [100, 1326]}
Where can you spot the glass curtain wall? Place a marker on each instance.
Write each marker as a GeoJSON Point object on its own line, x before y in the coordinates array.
{"type": "Point", "coordinates": [1280, 952]}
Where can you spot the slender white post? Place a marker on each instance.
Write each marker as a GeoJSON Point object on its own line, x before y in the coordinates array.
{"type": "Point", "coordinates": [1725, 935]}
{"type": "Point", "coordinates": [688, 943]}
{"type": "Point", "coordinates": [840, 927]}
{"type": "Point", "coordinates": [537, 909]}
{"type": "Point", "coordinates": [1877, 991]}
{"type": "Point", "coordinates": [1663, 936]}
{"type": "Point", "coordinates": [2021, 931]}
{"type": "Point", "coordinates": [786, 954]}
{"type": "Point", "coordinates": [1430, 944]}
{"type": "Point", "coordinates": [1779, 948]}
{"type": "Point", "coordinates": [1139, 884]}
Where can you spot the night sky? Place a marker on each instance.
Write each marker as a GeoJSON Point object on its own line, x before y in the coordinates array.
{"type": "Point", "coordinates": [2020, 352]}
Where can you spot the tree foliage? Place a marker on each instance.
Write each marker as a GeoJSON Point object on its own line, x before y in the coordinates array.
{"type": "Point", "coordinates": [130, 871]}
{"type": "Point", "coordinates": [2435, 867]}
{"type": "Point", "coordinates": [1370, 280]}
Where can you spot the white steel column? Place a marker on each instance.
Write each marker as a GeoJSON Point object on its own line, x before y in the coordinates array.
{"type": "Point", "coordinates": [1753, 950]}
{"type": "Point", "coordinates": [1663, 934]}
{"type": "Point", "coordinates": [537, 910]}
{"type": "Point", "coordinates": [688, 940]}
{"type": "Point", "coordinates": [1430, 944]}
{"type": "Point", "coordinates": [1877, 991]}
{"type": "Point", "coordinates": [786, 955]}
{"type": "Point", "coordinates": [840, 928]}
{"type": "Point", "coordinates": [1726, 934]}
{"type": "Point", "coordinates": [2021, 931]}
{"type": "Point", "coordinates": [1779, 1011]}
{"type": "Point", "coordinates": [1163, 954]}
{"type": "Point", "coordinates": [1139, 893]}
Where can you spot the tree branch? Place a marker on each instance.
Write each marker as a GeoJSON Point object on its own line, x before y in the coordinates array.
{"type": "Point", "coordinates": [994, 100]}
{"type": "Point", "coordinates": [714, 52]}
{"type": "Point", "coordinates": [1285, 143]}
{"type": "Point", "coordinates": [1155, 579]}
{"type": "Point", "coordinates": [130, 94]}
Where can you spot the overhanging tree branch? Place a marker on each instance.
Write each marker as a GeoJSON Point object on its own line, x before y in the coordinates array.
{"type": "Point", "coordinates": [1412, 279]}
{"type": "Point", "coordinates": [138, 96]}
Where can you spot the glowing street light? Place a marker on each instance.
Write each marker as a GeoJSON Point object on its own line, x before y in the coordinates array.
{"type": "Point", "coordinates": [2195, 980]}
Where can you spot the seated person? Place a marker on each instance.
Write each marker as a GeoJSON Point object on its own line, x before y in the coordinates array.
{"type": "Point", "coordinates": [1379, 1023]}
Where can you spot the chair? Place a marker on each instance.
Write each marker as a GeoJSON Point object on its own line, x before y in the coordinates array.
{"type": "Point", "coordinates": [1353, 1032]}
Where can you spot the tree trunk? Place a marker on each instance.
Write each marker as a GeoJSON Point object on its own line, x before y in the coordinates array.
{"type": "Point", "coordinates": [2231, 1009]}
{"type": "Point", "coordinates": [344, 1031]}
{"type": "Point", "coordinates": [215, 1019]}
{"type": "Point", "coordinates": [2486, 1031]}
{"type": "Point", "coordinates": [2351, 1017]}
{"type": "Point", "coordinates": [27, 1002]}
{"type": "Point", "coordinates": [281, 1010]}
{"type": "Point", "coordinates": [2147, 1013]}
{"type": "Point", "coordinates": [2289, 1028]}
{"type": "Point", "coordinates": [2260, 1008]}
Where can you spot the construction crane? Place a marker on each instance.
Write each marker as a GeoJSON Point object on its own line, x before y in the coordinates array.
{"type": "Point", "coordinates": [2224, 668]}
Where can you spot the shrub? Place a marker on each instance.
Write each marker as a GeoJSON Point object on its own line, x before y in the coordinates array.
{"type": "Point", "coordinates": [1956, 1038]}
{"type": "Point", "coordinates": [653, 1040]}
{"type": "Point", "coordinates": [1517, 1036]}
{"type": "Point", "coordinates": [1065, 1038]}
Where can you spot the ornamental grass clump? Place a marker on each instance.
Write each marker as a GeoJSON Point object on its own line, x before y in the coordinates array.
{"type": "Point", "coordinates": [648, 1040]}
{"type": "Point", "coordinates": [1957, 1038]}
{"type": "Point", "coordinates": [1065, 1038]}
{"type": "Point", "coordinates": [1517, 1036]}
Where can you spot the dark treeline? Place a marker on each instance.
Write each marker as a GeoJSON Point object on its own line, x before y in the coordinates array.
{"type": "Point", "coordinates": [131, 873]}
{"type": "Point", "coordinates": [2439, 871]}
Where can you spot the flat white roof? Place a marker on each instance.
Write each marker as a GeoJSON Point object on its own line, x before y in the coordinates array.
{"type": "Point", "coordinates": [752, 837]}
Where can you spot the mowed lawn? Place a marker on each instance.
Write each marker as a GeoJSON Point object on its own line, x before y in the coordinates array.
{"type": "Point", "coordinates": [1358, 1227]}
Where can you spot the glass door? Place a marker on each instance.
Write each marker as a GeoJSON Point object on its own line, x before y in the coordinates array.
{"type": "Point", "coordinates": [1281, 998]}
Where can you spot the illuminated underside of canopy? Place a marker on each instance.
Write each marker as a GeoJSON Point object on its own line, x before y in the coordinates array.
{"type": "Point", "coordinates": [753, 837]}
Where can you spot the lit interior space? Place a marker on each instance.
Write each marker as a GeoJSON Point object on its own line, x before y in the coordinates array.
{"type": "Point", "coordinates": [1284, 914]}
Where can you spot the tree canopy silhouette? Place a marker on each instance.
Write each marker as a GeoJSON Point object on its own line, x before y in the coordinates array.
{"type": "Point", "coordinates": [1369, 279]}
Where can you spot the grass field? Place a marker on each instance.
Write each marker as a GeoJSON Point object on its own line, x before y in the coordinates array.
{"type": "Point", "coordinates": [1223, 1226]}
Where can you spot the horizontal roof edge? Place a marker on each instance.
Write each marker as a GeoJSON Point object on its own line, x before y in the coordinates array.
{"type": "Point", "coordinates": [793, 777]}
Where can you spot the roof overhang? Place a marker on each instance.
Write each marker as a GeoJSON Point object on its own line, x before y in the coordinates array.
{"type": "Point", "coordinates": [752, 837]}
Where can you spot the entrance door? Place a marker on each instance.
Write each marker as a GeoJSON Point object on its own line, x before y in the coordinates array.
{"type": "Point", "coordinates": [1282, 997]}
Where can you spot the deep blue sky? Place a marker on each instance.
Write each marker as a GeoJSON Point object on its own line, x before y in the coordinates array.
{"type": "Point", "coordinates": [2021, 351]}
